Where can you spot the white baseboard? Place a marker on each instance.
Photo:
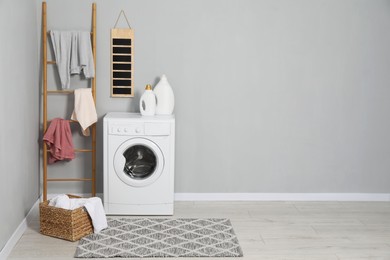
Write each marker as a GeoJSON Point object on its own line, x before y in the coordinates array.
{"type": "Point", "coordinates": [6, 251]}
{"type": "Point", "coordinates": [270, 196]}
{"type": "Point", "coordinates": [282, 197]}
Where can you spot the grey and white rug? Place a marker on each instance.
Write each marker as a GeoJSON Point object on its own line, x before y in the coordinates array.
{"type": "Point", "coordinates": [161, 237]}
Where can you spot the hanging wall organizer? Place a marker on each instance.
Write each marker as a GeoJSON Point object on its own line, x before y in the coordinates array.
{"type": "Point", "coordinates": [122, 50]}
{"type": "Point", "coordinates": [45, 91]}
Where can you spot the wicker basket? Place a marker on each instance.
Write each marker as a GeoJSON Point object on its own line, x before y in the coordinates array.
{"type": "Point", "coordinates": [62, 223]}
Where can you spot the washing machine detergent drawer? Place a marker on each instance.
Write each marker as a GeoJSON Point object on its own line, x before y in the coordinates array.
{"type": "Point", "coordinates": [157, 129]}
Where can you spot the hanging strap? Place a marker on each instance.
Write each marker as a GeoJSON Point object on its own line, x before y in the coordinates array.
{"type": "Point", "coordinates": [122, 12]}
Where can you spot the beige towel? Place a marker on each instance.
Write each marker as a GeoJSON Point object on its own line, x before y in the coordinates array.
{"type": "Point", "coordinates": [84, 109]}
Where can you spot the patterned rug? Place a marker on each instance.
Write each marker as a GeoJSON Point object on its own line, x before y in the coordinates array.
{"type": "Point", "coordinates": [161, 237]}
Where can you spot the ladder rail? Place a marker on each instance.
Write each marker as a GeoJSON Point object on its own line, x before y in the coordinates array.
{"type": "Point", "coordinates": [44, 148]}
{"type": "Point", "coordinates": [93, 132]}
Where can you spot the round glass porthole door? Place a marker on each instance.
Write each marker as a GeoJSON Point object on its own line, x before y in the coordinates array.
{"type": "Point", "coordinates": [138, 162]}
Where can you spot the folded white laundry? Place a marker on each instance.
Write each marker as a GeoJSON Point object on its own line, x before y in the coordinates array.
{"type": "Point", "coordinates": [95, 210]}
{"type": "Point", "coordinates": [94, 207]}
{"type": "Point", "coordinates": [60, 201]}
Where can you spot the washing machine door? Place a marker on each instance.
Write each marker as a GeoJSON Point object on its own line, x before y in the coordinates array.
{"type": "Point", "coordinates": [138, 162]}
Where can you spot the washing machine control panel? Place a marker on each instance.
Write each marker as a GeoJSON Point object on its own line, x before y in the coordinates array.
{"type": "Point", "coordinates": [126, 129]}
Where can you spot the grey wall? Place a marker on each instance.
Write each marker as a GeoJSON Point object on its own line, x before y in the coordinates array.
{"type": "Point", "coordinates": [19, 106]}
{"type": "Point", "coordinates": [271, 96]}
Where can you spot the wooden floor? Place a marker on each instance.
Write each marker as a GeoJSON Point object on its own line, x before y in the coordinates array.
{"type": "Point", "coordinates": [268, 230]}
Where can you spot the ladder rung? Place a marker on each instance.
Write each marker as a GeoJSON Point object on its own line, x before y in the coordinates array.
{"type": "Point", "coordinates": [60, 91]}
{"type": "Point", "coordinates": [80, 150]}
{"type": "Point", "coordinates": [48, 32]}
{"type": "Point", "coordinates": [83, 150]}
{"type": "Point", "coordinates": [70, 121]}
{"type": "Point", "coordinates": [51, 62]}
{"type": "Point", "coordinates": [71, 179]}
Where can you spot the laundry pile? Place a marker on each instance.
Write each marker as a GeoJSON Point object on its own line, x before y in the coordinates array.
{"type": "Point", "coordinates": [93, 206]}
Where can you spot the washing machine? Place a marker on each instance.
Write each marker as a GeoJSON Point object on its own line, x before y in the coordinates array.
{"type": "Point", "coordinates": [139, 157]}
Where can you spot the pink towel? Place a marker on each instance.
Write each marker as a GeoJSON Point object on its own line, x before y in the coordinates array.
{"type": "Point", "coordinates": [58, 137]}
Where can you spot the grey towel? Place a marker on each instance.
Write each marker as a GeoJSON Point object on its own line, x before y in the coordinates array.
{"type": "Point", "coordinates": [73, 54]}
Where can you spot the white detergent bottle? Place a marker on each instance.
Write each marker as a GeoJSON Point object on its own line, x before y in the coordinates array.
{"type": "Point", "coordinates": [164, 96]}
{"type": "Point", "coordinates": [147, 103]}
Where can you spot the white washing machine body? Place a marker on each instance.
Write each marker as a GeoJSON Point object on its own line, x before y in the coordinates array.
{"type": "Point", "coordinates": [139, 155]}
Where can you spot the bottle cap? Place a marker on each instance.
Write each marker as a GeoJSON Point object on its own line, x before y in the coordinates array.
{"type": "Point", "coordinates": [148, 87]}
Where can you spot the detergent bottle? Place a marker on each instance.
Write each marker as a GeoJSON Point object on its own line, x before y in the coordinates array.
{"type": "Point", "coordinates": [164, 97]}
{"type": "Point", "coordinates": [147, 103]}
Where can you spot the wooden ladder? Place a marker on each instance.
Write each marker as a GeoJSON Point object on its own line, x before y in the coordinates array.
{"type": "Point", "coordinates": [45, 120]}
